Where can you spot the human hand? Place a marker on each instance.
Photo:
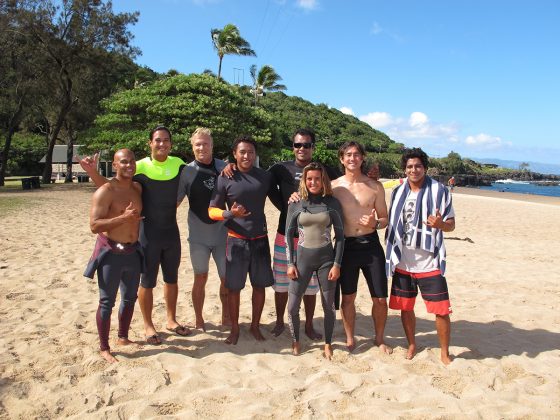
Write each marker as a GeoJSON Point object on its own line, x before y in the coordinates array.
{"type": "Point", "coordinates": [229, 170]}
{"type": "Point", "coordinates": [239, 211]}
{"type": "Point", "coordinates": [89, 163]}
{"type": "Point", "coordinates": [293, 273]}
{"type": "Point", "coordinates": [334, 273]}
{"type": "Point", "coordinates": [435, 221]}
{"type": "Point", "coordinates": [131, 213]}
{"type": "Point", "coordinates": [373, 172]}
{"type": "Point", "coordinates": [368, 220]}
{"type": "Point", "coordinates": [294, 198]}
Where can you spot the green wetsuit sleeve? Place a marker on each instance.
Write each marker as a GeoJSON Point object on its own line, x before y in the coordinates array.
{"type": "Point", "coordinates": [291, 227]}
{"type": "Point", "coordinates": [335, 211]}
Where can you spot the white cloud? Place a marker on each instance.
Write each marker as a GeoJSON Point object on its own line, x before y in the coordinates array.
{"type": "Point", "coordinates": [418, 119]}
{"type": "Point", "coordinates": [346, 110]}
{"type": "Point", "coordinates": [307, 4]}
{"type": "Point", "coordinates": [378, 119]}
{"type": "Point", "coordinates": [485, 141]}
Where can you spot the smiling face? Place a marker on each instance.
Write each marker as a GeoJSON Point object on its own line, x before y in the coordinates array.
{"type": "Point", "coordinates": [415, 171]}
{"type": "Point", "coordinates": [160, 145]}
{"type": "Point", "coordinates": [124, 164]}
{"type": "Point", "coordinates": [245, 156]}
{"type": "Point", "coordinates": [314, 182]}
{"type": "Point", "coordinates": [202, 147]}
{"type": "Point", "coordinates": [352, 159]}
{"type": "Point", "coordinates": [303, 149]}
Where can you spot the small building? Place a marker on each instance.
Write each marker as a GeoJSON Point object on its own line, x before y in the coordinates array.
{"type": "Point", "coordinates": [59, 162]}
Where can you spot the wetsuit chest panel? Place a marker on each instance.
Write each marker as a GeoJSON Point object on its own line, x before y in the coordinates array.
{"type": "Point", "coordinates": [249, 189]}
{"type": "Point", "coordinates": [201, 191]}
{"type": "Point", "coordinates": [159, 194]}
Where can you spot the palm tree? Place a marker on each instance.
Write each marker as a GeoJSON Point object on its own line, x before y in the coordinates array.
{"type": "Point", "coordinates": [229, 41]}
{"type": "Point", "coordinates": [266, 80]}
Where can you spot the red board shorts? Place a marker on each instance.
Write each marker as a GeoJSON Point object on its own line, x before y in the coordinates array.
{"type": "Point", "coordinates": [433, 288]}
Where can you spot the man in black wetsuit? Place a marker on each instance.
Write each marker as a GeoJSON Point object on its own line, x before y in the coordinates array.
{"type": "Point", "coordinates": [206, 236]}
{"type": "Point", "coordinates": [159, 234]}
{"type": "Point", "coordinates": [248, 251]}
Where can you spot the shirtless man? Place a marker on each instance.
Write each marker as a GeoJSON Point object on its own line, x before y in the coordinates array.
{"type": "Point", "coordinates": [117, 257]}
{"type": "Point", "coordinates": [364, 212]}
{"type": "Point", "coordinates": [159, 176]}
{"type": "Point", "coordinates": [248, 251]}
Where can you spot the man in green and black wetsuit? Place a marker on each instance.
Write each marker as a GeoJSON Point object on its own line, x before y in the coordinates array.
{"type": "Point", "coordinates": [159, 176]}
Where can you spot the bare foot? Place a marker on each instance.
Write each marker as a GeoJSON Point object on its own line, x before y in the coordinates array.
{"type": "Point", "coordinates": [121, 341]}
{"type": "Point", "coordinates": [278, 329]}
{"type": "Point", "coordinates": [384, 348]}
{"type": "Point", "coordinates": [411, 352]}
{"type": "Point", "coordinates": [233, 337]}
{"type": "Point", "coordinates": [296, 348]}
{"type": "Point", "coordinates": [199, 324]}
{"type": "Point", "coordinates": [328, 353]}
{"type": "Point", "coordinates": [255, 330]}
{"type": "Point", "coordinates": [445, 358]}
{"type": "Point", "coordinates": [311, 333]}
{"type": "Point", "coordinates": [180, 330]}
{"type": "Point", "coordinates": [350, 345]}
{"type": "Point", "coordinates": [106, 354]}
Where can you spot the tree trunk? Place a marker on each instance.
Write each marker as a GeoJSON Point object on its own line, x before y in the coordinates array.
{"type": "Point", "coordinates": [14, 120]}
{"type": "Point", "coordinates": [69, 158]}
{"type": "Point", "coordinates": [47, 172]}
{"type": "Point", "coordinates": [220, 67]}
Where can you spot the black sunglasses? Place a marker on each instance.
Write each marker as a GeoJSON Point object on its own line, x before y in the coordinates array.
{"type": "Point", "coordinates": [304, 145]}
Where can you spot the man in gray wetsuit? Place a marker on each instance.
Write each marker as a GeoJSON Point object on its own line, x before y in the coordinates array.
{"type": "Point", "coordinates": [312, 218]}
{"type": "Point", "coordinates": [206, 236]}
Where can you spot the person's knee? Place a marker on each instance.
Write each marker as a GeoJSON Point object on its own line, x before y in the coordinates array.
{"type": "Point", "coordinates": [380, 302]}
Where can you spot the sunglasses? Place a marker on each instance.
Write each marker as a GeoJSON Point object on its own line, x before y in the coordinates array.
{"type": "Point", "coordinates": [304, 145]}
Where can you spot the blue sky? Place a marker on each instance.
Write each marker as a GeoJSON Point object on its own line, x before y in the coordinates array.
{"type": "Point", "coordinates": [477, 77]}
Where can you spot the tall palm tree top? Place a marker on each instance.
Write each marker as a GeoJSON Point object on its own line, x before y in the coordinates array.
{"type": "Point", "coordinates": [229, 41]}
{"type": "Point", "coordinates": [266, 79]}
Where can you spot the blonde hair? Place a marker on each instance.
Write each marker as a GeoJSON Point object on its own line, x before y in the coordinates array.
{"type": "Point", "coordinates": [314, 166]}
{"type": "Point", "coordinates": [201, 131]}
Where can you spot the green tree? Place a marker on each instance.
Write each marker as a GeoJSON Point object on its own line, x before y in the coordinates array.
{"type": "Point", "coordinates": [228, 40]}
{"type": "Point", "coordinates": [266, 80]}
{"type": "Point", "coordinates": [182, 103]}
{"type": "Point", "coordinates": [73, 36]}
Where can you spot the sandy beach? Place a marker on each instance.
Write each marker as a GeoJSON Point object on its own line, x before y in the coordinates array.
{"type": "Point", "coordinates": [505, 291]}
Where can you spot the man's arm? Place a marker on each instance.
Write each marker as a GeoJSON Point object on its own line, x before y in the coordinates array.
{"type": "Point", "coordinates": [89, 164]}
{"type": "Point", "coordinates": [100, 205]}
{"type": "Point", "coordinates": [381, 206]}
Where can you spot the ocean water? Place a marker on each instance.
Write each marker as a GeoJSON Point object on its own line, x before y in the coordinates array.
{"type": "Point", "coordinates": [550, 191]}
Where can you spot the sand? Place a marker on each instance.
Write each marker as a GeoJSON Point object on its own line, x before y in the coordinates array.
{"type": "Point", "coordinates": [504, 286]}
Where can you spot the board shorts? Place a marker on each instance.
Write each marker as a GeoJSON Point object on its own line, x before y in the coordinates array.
{"type": "Point", "coordinates": [433, 287]}
{"type": "Point", "coordinates": [164, 252]}
{"type": "Point", "coordinates": [280, 268]}
{"type": "Point", "coordinates": [205, 240]}
{"type": "Point", "coordinates": [365, 254]}
{"type": "Point", "coordinates": [248, 256]}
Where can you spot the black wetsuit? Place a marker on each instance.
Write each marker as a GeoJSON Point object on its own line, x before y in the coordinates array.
{"type": "Point", "coordinates": [159, 233]}
{"type": "Point", "coordinates": [313, 219]}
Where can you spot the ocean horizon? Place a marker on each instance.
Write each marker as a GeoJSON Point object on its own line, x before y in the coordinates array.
{"type": "Point", "coordinates": [529, 188]}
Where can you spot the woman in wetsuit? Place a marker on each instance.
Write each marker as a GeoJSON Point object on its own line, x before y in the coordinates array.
{"type": "Point", "coordinates": [311, 219]}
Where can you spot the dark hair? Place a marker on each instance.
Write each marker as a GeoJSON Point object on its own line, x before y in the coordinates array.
{"type": "Point", "coordinates": [347, 145]}
{"type": "Point", "coordinates": [305, 132]}
{"type": "Point", "coordinates": [158, 128]}
{"type": "Point", "coordinates": [412, 153]}
{"type": "Point", "coordinates": [243, 139]}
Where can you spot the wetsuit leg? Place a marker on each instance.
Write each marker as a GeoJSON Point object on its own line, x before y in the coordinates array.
{"type": "Point", "coordinates": [328, 289]}
{"type": "Point", "coordinates": [108, 278]}
{"type": "Point", "coordinates": [296, 290]}
{"type": "Point", "coordinates": [130, 280]}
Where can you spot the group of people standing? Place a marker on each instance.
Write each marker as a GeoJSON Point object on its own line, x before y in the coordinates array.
{"type": "Point", "coordinates": [134, 215]}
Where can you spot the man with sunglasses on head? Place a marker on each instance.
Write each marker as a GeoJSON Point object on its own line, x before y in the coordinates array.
{"type": "Point", "coordinates": [159, 175]}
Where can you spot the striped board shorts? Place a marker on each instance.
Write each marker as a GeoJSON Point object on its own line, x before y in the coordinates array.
{"type": "Point", "coordinates": [280, 268]}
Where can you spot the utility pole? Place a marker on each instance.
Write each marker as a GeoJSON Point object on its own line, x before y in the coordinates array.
{"type": "Point", "coordinates": [238, 74]}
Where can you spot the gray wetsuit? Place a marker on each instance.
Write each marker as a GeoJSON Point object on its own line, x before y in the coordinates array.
{"type": "Point", "coordinates": [313, 219]}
